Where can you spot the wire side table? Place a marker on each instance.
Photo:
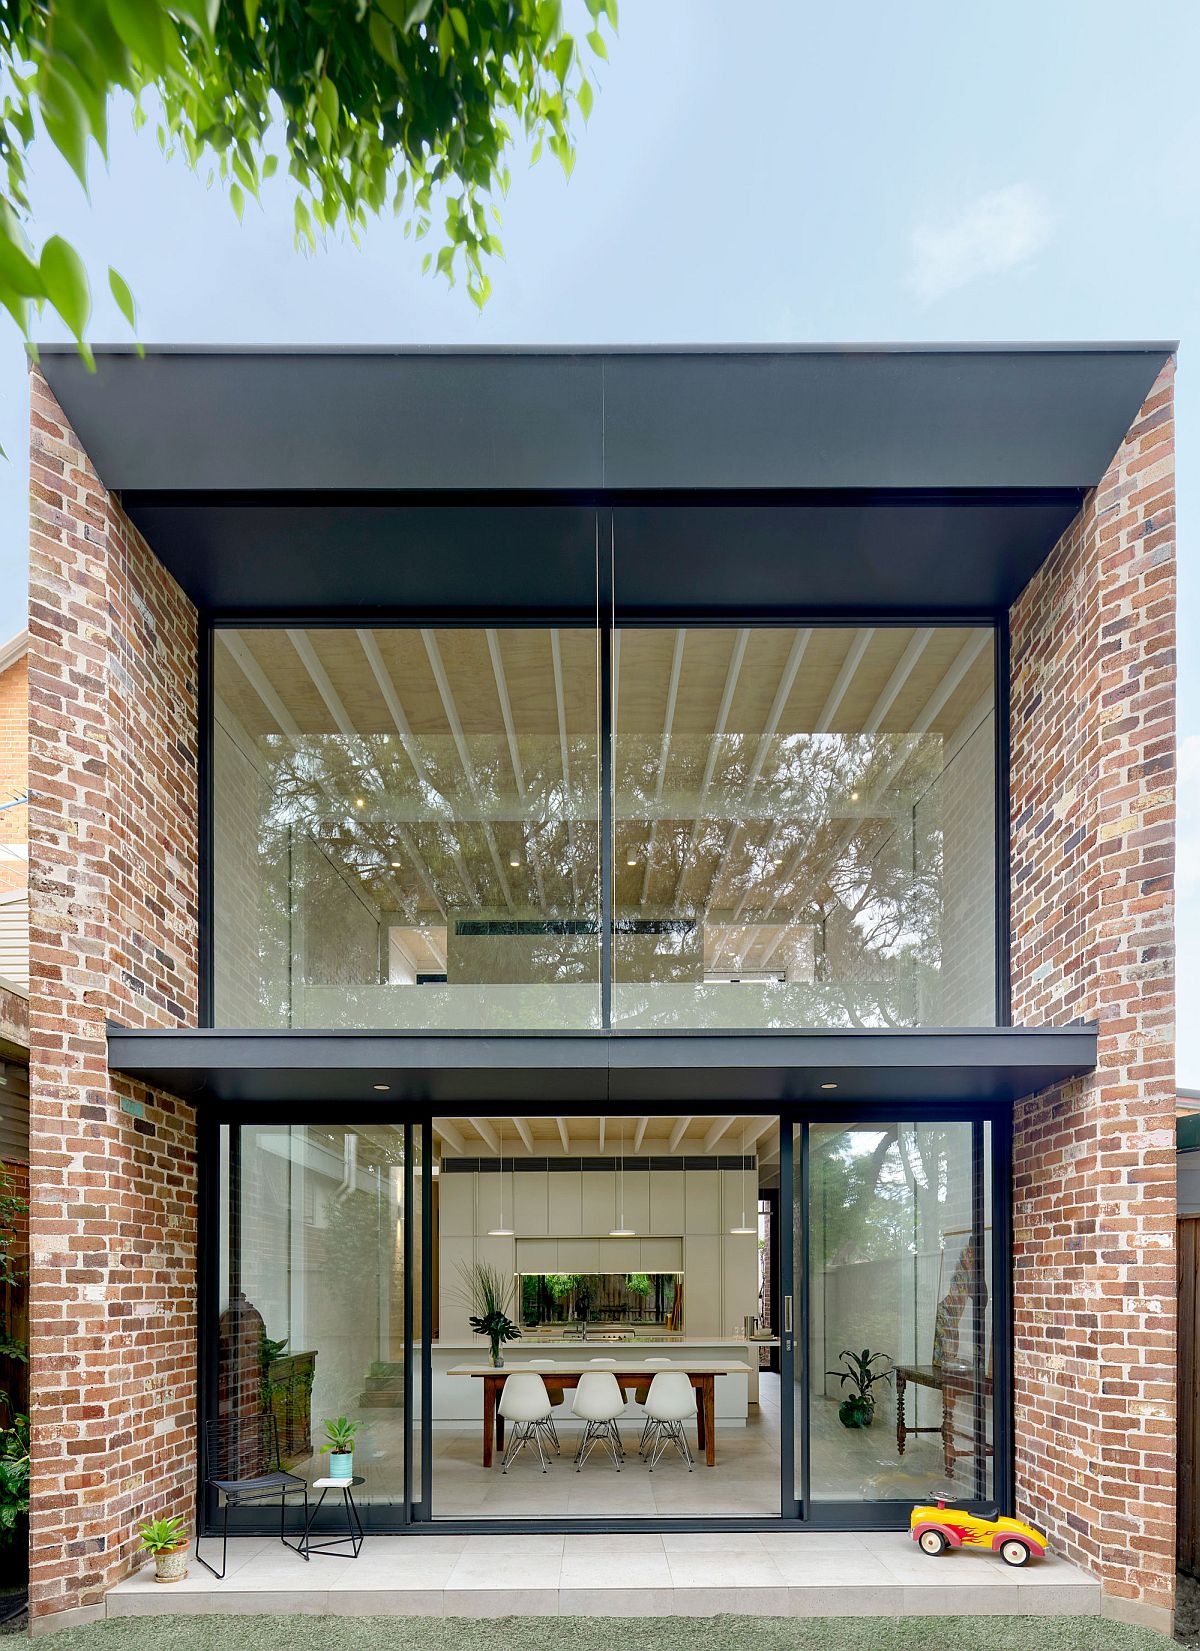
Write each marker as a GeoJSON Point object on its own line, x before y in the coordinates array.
{"type": "Point", "coordinates": [354, 1530]}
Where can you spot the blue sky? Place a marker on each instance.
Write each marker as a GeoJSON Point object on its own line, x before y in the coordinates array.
{"type": "Point", "coordinates": [782, 172]}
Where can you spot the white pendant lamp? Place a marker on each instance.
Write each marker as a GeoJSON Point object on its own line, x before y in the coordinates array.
{"type": "Point", "coordinates": [743, 1231]}
{"type": "Point", "coordinates": [621, 1230]}
{"type": "Point", "coordinates": [501, 1231]}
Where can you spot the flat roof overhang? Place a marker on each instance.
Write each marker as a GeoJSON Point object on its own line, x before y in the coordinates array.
{"type": "Point", "coordinates": [838, 478]}
{"type": "Point", "coordinates": [678, 1072]}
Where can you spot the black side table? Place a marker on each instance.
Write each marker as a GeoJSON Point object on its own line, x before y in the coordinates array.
{"type": "Point", "coordinates": [354, 1530]}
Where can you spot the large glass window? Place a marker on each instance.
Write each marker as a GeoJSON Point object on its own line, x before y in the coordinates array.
{"type": "Point", "coordinates": [900, 1323]}
{"type": "Point", "coordinates": [406, 829]}
{"type": "Point", "coordinates": [804, 827]}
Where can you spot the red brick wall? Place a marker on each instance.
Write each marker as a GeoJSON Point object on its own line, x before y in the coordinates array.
{"type": "Point", "coordinates": [1093, 810]}
{"type": "Point", "coordinates": [113, 710]}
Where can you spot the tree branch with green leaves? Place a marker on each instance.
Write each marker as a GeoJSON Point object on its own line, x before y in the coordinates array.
{"type": "Point", "coordinates": [407, 106]}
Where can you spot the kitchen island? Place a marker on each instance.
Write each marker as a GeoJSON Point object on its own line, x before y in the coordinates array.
{"type": "Point", "coordinates": [456, 1396]}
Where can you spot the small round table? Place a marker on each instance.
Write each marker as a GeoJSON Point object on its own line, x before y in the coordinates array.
{"type": "Point", "coordinates": [354, 1530]}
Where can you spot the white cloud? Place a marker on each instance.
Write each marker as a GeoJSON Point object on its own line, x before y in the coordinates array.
{"type": "Point", "coordinates": [997, 232]}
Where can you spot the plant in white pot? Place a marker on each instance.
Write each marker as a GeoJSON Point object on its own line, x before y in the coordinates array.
{"type": "Point", "coordinates": [167, 1540]}
{"type": "Point", "coordinates": [339, 1442]}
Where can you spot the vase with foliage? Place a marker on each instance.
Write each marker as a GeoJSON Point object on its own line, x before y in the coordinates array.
{"type": "Point", "coordinates": [166, 1539]}
{"type": "Point", "coordinates": [489, 1295]}
{"type": "Point", "coordinates": [857, 1409]}
{"type": "Point", "coordinates": [339, 1442]}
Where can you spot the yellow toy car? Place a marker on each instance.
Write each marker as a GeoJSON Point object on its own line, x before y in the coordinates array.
{"type": "Point", "coordinates": [938, 1527]}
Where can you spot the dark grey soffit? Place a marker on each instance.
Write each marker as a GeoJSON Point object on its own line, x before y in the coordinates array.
{"type": "Point", "coordinates": [969, 416]}
{"type": "Point", "coordinates": [691, 1072]}
{"type": "Point", "coordinates": [928, 553]}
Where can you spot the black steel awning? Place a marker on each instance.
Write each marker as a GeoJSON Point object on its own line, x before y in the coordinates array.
{"type": "Point", "coordinates": [544, 1071]}
{"type": "Point", "coordinates": [927, 478]}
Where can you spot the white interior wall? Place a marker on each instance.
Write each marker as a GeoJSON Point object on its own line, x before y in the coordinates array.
{"type": "Point", "coordinates": [690, 1211]}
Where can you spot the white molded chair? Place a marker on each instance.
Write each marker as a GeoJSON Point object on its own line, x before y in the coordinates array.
{"type": "Point", "coordinates": [525, 1404]}
{"type": "Point", "coordinates": [599, 1401]}
{"type": "Point", "coordinates": [556, 1396]}
{"type": "Point", "coordinates": [669, 1404]}
{"type": "Point", "coordinates": [641, 1394]}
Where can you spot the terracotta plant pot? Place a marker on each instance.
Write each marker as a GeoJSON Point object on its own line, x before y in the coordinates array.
{"type": "Point", "coordinates": [170, 1564]}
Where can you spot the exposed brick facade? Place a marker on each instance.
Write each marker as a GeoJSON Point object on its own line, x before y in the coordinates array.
{"type": "Point", "coordinates": [113, 821]}
{"type": "Point", "coordinates": [1093, 812]}
{"type": "Point", "coordinates": [14, 769]}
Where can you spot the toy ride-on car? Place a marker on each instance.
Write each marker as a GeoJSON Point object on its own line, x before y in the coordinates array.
{"type": "Point", "coordinates": [938, 1527]}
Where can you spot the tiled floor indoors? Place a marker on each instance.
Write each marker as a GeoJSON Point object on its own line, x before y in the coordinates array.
{"type": "Point", "coordinates": [650, 1574]}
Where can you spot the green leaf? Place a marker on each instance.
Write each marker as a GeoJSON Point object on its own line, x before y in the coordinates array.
{"type": "Point", "coordinates": [596, 41]}
{"type": "Point", "coordinates": [66, 283]}
{"type": "Point", "coordinates": [561, 58]}
{"type": "Point", "coordinates": [584, 96]}
{"type": "Point", "coordinates": [445, 41]}
{"type": "Point", "coordinates": [123, 296]}
{"type": "Point", "coordinates": [237, 200]}
{"type": "Point", "coordinates": [460, 25]}
{"type": "Point", "coordinates": [416, 13]}
{"type": "Point", "coordinates": [66, 122]}
{"type": "Point", "coordinates": [383, 38]}
{"type": "Point", "coordinates": [270, 166]}
{"type": "Point", "coordinates": [140, 25]}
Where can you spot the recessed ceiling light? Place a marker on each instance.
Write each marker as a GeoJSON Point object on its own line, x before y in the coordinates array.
{"type": "Point", "coordinates": [829, 1086]}
{"type": "Point", "coordinates": [631, 862]}
{"type": "Point", "coordinates": [397, 865]}
{"type": "Point", "coordinates": [854, 796]}
{"type": "Point", "coordinates": [360, 802]}
{"type": "Point", "coordinates": [514, 864]}
{"type": "Point", "coordinates": [382, 1087]}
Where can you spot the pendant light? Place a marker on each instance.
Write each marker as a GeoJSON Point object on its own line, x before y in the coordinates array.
{"type": "Point", "coordinates": [621, 1230]}
{"type": "Point", "coordinates": [501, 1231]}
{"type": "Point", "coordinates": [743, 1231]}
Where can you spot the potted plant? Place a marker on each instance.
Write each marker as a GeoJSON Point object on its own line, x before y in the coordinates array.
{"type": "Point", "coordinates": [339, 1442]}
{"type": "Point", "coordinates": [489, 1295]}
{"type": "Point", "coordinates": [857, 1409]}
{"type": "Point", "coordinates": [166, 1539]}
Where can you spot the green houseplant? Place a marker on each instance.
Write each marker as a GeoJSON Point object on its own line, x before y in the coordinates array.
{"type": "Point", "coordinates": [857, 1409]}
{"type": "Point", "coordinates": [166, 1539]}
{"type": "Point", "coordinates": [489, 1295]}
{"type": "Point", "coordinates": [339, 1442]}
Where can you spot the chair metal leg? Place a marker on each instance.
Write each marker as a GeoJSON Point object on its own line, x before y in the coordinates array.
{"type": "Point", "coordinates": [525, 1433]}
{"type": "Point", "coordinates": [669, 1433]}
{"type": "Point", "coordinates": [599, 1433]}
{"type": "Point", "coordinates": [220, 1575]}
{"type": "Point", "coordinates": [300, 1547]}
{"type": "Point", "coordinates": [552, 1433]}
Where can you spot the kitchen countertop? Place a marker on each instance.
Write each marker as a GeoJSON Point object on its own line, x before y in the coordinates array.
{"type": "Point", "coordinates": [597, 1342]}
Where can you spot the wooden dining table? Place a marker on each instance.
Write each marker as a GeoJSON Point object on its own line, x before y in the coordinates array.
{"type": "Point", "coordinates": [630, 1376]}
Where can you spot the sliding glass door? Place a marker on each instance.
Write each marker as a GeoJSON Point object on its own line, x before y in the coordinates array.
{"type": "Point", "coordinates": [891, 1365]}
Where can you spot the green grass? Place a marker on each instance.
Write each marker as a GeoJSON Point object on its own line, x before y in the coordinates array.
{"type": "Point", "coordinates": [199, 1633]}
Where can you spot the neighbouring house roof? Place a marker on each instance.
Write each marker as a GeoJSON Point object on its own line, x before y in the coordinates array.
{"type": "Point", "coordinates": [15, 648]}
{"type": "Point", "coordinates": [898, 476]}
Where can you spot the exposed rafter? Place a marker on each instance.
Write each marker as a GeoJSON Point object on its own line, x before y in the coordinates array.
{"type": "Point", "coordinates": [639, 1133]}
{"type": "Point", "coordinates": [485, 1132]}
{"type": "Point", "coordinates": [714, 750]}
{"type": "Point", "coordinates": [678, 1131]}
{"type": "Point", "coordinates": [664, 751]}
{"type": "Point", "coordinates": [514, 757]}
{"type": "Point", "coordinates": [560, 704]}
{"type": "Point", "coordinates": [564, 1134]}
{"type": "Point", "coordinates": [446, 694]}
{"type": "Point", "coordinates": [719, 1128]}
{"type": "Point", "coordinates": [450, 1136]}
{"type": "Point", "coordinates": [523, 1130]}
{"type": "Point", "coordinates": [853, 659]}
{"type": "Point", "coordinates": [603, 1121]}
